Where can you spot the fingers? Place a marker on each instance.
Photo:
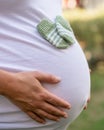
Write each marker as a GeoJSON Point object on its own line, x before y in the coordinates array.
{"type": "Point", "coordinates": [45, 77]}
{"type": "Point", "coordinates": [88, 100]}
{"type": "Point", "coordinates": [49, 97]}
{"type": "Point", "coordinates": [36, 117]}
{"type": "Point", "coordinates": [54, 111]}
{"type": "Point", "coordinates": [85, 107]}
{"type": "Point", "coordinates": [44, 114]}
{"type": "Point", "coordinates": [40, 115]}
{"type": "Point", "coordinates": [56, 101]}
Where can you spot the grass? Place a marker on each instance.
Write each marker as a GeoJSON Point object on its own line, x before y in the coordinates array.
{"type": "Point", "coordinates": [93, 117]}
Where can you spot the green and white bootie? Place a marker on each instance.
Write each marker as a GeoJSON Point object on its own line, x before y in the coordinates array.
{"type": "Point", "coordinates": [48, 30]}
{"type": "Point", "coordinates": [64, 29]}
{"type": "Point", "coordinates": [63, 22]}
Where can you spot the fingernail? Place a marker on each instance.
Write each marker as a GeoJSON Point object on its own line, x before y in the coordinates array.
{"type": "Point", "coordinates": [58, 119]}
{"type": "Point", "coordinates": [57, 79]}
{"type": "Point", "coordinates": [68, 107]}
{"type": "Point", "coordinates": [65, 115]}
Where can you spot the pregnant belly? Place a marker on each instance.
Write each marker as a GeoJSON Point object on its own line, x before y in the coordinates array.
{"type": "Point", "coordinates": [69, 64]}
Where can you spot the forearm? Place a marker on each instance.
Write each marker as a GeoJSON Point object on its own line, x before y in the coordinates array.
{"type": "Point", "coordinates": [5, 80]}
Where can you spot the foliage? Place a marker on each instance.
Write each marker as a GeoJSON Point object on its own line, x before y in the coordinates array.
{"type": "Point", "coordinates": [88, 27]}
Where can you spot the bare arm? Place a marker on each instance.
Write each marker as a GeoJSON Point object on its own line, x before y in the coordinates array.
{"type": "Point", "coordinates": [24, 89]}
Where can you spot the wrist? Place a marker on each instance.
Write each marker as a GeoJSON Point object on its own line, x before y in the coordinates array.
{"type": "Point", "coordinates": [6, 78]}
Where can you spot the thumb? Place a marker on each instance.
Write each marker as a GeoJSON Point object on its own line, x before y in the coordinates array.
{"type": "Point", "coordinates": [46, 77]}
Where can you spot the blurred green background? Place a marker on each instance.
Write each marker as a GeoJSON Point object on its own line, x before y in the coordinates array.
{"type": "Point", "coordinates": [88, 26]}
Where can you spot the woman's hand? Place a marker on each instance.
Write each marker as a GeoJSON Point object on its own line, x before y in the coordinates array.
{"type": "Point", "coordinates": [88, 100]}
{"type": "Point", "coordinates": [85, 107]}
{"type": "Point", "coordinates": [26, 91]}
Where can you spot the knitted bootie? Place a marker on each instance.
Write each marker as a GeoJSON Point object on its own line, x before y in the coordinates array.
{"type": "Point", "coordinates": [64, 29]}
{"type": "Point", "coordinates": [48, 31]}
{"type": "Point", "coordinates": [63, 22]}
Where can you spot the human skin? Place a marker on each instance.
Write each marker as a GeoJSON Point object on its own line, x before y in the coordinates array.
{"type": "Point", "coordinates": [25, 90]}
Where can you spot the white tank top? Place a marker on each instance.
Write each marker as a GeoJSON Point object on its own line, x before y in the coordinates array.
{"type": "Point", "coordinates": [23, 49]}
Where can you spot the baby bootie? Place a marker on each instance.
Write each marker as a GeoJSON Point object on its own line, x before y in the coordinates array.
{"type": "Point", "coordinates": [64, 29]}
{"type": "Point", "coordinates": [48, 31]}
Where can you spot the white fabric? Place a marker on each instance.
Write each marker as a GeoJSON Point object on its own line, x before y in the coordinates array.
{"type": "Point", "coordinates": [23, 49]}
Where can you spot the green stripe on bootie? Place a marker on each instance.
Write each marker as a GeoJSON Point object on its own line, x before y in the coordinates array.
{"type": "Point", "coordinates": [64, 29]}
{"type": "Point", "coordinates": [65, 34]}
{"type": "Point", "coordinates": [63, 22]}
{"type": "Point", "coordinates": [48, 30]}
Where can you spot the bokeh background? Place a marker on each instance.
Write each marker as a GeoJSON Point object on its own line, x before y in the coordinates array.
{"type": "Point", "coordinates": [87, 20]}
